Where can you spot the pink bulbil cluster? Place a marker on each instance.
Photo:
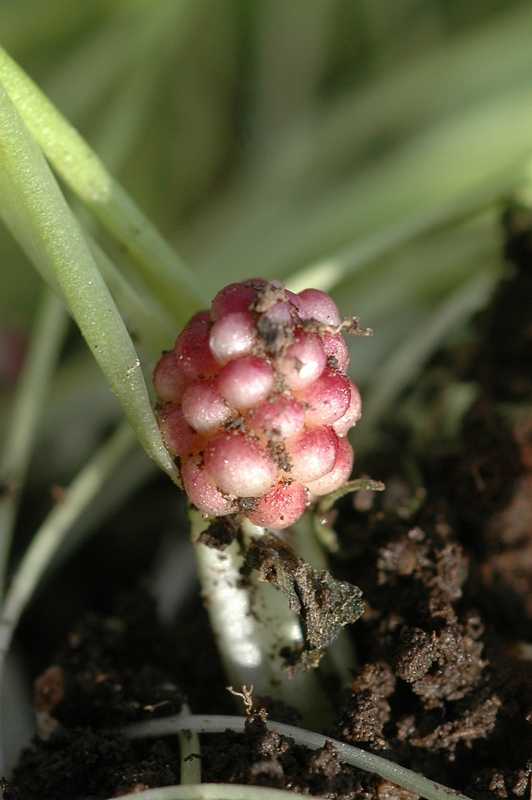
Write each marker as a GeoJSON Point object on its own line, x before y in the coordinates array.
{"type": "Point", "coordinates": [255, 403]}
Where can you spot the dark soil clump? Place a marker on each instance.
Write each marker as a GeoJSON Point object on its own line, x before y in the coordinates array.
{"type": "Point", "coordinates": [101, 679]}
{"type": "Point", "coordinates": [265, 758]}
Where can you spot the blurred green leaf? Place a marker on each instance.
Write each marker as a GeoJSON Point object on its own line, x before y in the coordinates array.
{"type": "Point", "coordinates": [36, 213]}
{"type": "Point", "coordinates": [82, 170]}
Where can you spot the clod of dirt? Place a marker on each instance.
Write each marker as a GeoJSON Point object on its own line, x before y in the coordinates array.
{"type": "Point", "coordinates": [110, 671]}
{"type": "Point", "coordinates": [265, 758]}
{"type": "Point", "coordinates": [324, 604]}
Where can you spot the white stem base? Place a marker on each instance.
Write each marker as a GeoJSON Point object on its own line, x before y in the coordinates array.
{"type": "Point", "coordinates": [252, 624]}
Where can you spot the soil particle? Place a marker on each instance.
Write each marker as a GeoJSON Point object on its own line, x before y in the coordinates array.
{"type": "Point", "coordinates": [84, 764]}
{"type": "Point", "coordinates": [432, 680]}
{"type": "Point", "coordinates": [49, 689]}
{"type": "Point", "coordinates": [220, 534]}
{"type": "Point", "coordinates": [324, 604]}
{"type": "Point", "coordinates": [367, 710]}
{"type": "Point", "coordinates": [265, 758]}
{"type": "Point", "coordinates": [388, 791]}
{"type": "Point", "coordinates": [434, 649]}
{"type": "Point", "coordinates": [455, 655]}
{"type": "Point", "coordinates": [111, 670]}
{"type": "Point", "coordinates": [490, 462]}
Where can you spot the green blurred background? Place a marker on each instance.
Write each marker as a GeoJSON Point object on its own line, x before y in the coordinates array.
{"type": "Point", "coordinates": [365, 147]}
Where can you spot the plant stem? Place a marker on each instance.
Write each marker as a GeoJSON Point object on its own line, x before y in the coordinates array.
{"type": "Point", "coordinates": [252, 624]}
{"type": "Point", "coordinates": [38, 216]}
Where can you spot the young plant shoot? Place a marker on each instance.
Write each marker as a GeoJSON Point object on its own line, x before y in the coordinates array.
{"type": "Point", "coordinates": [255, 405]}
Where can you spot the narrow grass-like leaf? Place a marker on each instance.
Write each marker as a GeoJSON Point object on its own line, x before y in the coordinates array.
{"type": "Point", "coordinates": [36, 213]}
{"type": "Point", "coordinates": [190, 754]}
{"type": "Point", "coordinates": [290, 53]}
{"type": "Point", "coordinates": [27, 23]}
{"type": "Point", "coordinates": [159, 30]}
{"type": "Point", "coordinates": [385, 154]}
{"type": "Point", "coordinates": [458, 72]}
{"type": "Point", "coordinates": [146, 320]}
{"type": "Point", "coordinates": [85, 174]}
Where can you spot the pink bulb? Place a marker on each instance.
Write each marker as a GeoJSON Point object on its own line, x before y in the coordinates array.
{"type": "Point", "coordinates": [235, 297]}
{"type": "Point", "coordinates": [255, 402]}
{"type": "Point", "coordinates": [192, 351]}
{"type": "Point", "coordinates": [280, 313]}
{"type": "Point", "coordinates": [204, 407]}
{"type": "Point", "coordinates": [199, 316]}
{"type": "Point", "coordinates": [246, 382]}
{"type": "Point", "coordinates": [177, 434]}
{"type": "Point", "coordinates": [336, 348]}
{"type": "Point", "coordinates": [295, 300]}
{"type": "Point", "coordinates": [232, 336]}
{"type": "Point", "coordinates": [338, 475]}
{"type": "Point", "coordinates": [327, 398]}
{"type": "Point", "coordinates": [239, 465]}
{"type": "Point", "coordinates": [353, 413]}
{"type": "Point", "coordinates": [203, 491]}
{"type": "Point", "coordinates": [169, 379]}
{"type": "Point", "coordinates": [312, 454]}
{"type": "Point", "coordinates": [280, 507]}
{"type": "Point", "coordinates": [303, 362]}
{"type": "Point", "coordinates": [318, 305]}
{"type": "Point", "coordinates": [280, 418]}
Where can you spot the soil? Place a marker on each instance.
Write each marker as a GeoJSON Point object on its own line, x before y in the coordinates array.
{"type": "Point", "coordinates": [445, 566]}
